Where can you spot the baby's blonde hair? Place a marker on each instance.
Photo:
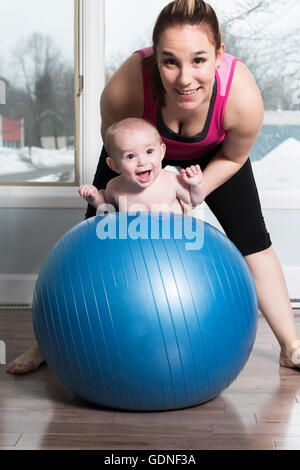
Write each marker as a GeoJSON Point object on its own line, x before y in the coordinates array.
{"type": "Point", "coordinates": [125, 123]}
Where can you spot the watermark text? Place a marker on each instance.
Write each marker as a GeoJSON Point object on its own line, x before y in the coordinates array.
{"type": "Point", "coordinates": [134, 224]}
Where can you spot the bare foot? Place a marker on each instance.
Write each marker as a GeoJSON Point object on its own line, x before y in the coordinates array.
{"type": "Point", "coordinates": [291, 357]}
{"type": "Point", "coordinates": [27, 362]}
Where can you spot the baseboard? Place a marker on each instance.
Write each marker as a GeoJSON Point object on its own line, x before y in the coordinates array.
{"type": "Point", "coordinates": [292, 276]}
{"type": "Point", "coordinates": [18, 288]}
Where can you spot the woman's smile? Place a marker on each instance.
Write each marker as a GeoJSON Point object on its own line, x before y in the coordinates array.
{"type": "Point", "coordinates": [188, 94]}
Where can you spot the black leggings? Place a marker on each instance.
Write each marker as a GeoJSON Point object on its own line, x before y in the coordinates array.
{"type": "Point", "coordinates": [235, 204]}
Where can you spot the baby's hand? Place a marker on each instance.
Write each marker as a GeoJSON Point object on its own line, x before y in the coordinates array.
{"type": "Point", "coordinates": [192, 175]}
{"type": "Point", "coordinates": [88, 192]}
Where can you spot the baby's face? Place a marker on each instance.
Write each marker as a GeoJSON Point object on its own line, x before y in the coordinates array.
{"type": "Point", "coordinates": [138, 153]}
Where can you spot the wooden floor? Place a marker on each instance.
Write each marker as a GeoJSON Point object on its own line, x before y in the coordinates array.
{"type": "Point", "coordinates": [260, 410]}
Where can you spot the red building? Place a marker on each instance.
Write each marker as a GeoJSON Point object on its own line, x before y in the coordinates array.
{"type": "Point", "coordinates": [11, 132]}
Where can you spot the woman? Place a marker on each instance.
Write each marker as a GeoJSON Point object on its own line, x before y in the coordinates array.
{"type": "Point", "coordinates": [208, 111]}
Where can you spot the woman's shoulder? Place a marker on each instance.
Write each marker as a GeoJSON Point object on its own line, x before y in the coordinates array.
{"type": "Point", "coordinates": [244, 99]}
{"type": "Point", "coordinates": [123, 95]}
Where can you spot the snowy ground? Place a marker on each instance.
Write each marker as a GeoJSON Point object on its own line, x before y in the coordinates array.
{"type": "Point", "coordinates": [36, 164]}
{"type": "Point", "coordinates": [279, 169]}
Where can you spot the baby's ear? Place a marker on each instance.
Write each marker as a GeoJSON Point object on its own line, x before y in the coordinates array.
{"type": "Point", "coordinates": [113, 164]}
{"type": "Point", "coordinates": [162, 150]}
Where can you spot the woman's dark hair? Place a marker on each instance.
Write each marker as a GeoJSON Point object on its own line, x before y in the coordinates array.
{"type": "Point", "coordinates": [180, 12]}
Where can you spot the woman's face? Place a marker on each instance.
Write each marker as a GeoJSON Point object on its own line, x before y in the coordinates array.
{"type": "Point", "coordinates": [187, 61]}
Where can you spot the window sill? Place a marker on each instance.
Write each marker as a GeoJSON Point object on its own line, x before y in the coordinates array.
{"type": "Point", "coordinates": [283, 199]}
{"type": "Point", "coordinates": [68, 197]}
{"type": "Point", "coordinates": [40, 197]}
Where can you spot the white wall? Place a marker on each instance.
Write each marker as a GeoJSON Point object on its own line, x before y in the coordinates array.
{"type": "Point", "coordinates": [284, 228]}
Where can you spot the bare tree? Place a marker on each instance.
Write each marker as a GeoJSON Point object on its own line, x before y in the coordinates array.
{"type": "Point", "coordinates": [45, 77]}
{"type": "Point", "coordinates": [270, 54]}
{"type": "Point", "coordinates": [63, 102]}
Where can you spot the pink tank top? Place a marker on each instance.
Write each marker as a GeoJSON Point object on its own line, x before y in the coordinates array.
{"type": "Point", "coordinates": [188, 148]}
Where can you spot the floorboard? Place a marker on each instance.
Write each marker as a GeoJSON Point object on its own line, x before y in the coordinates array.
{"type": "Point", "coordinates": [260, 410]}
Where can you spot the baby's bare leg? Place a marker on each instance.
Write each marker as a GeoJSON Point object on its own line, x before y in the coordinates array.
{"type": "Point", "coordinates": [27, 362]}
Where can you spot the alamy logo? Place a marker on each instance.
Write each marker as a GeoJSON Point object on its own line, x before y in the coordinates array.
{"type": "Point", "coordinates": [2, 353]}
{"type": "Point", "coordinates": [156, 226]}
{"type": "Point", "coordinates": [2, 92]}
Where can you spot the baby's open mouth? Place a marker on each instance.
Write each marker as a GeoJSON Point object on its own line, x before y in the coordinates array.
{"type": "Point", "coordinates": [144, 176]}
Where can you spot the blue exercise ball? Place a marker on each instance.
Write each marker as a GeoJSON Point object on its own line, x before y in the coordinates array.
{"type": "Point", "coordinates": [131, 312]}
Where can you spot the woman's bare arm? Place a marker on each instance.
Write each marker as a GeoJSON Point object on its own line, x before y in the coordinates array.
{"type": "Point", "coordinates": [123, 95]}
{"type": "Point", "coordinates": [242, 120]}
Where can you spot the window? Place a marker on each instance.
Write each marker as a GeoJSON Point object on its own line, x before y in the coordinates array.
{"type": "Point", "coordinates": [89, 81]}
{"type": "Point", "coordinates": [37, 116]}
{"type": "Point", "coordinates": [265, 36]}
{"type": "Point", "coordinates": [266, 40]}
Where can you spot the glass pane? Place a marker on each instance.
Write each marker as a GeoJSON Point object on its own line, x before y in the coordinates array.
{"type": "Point", "coordinates": [128, 29]}
{"type": "Point", "coordinates": [265, 35]}
{"type": "Point", "coordinates": [276, 154]}
{"type": "Point", "coordinates": [37, 121]}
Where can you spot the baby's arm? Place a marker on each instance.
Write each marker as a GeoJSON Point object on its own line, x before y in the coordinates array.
{"type": "Point", "coordinates": [91, 194]}
{"type": "Point", "coordinates": [191, 185]}
{"type": "Point", "coordinates": [104, 200]}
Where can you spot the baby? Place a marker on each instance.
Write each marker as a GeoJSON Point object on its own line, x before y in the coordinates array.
{"type": "Point", "coordinates": [136, 151]}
